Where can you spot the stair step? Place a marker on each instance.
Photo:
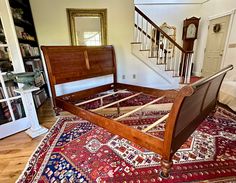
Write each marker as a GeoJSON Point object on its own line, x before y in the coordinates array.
{"type": "Point", "coordinates": [169, 70]}
{"type": "Point", "coordinates": [136, 43]}
{"type": "Point", "coordinates": [152, 57]}
{"type": "Point", "coordinates": [145, 50]}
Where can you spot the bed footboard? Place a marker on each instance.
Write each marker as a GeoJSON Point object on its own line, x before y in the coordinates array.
{"type": "Point", "coordinates": [192, 104]}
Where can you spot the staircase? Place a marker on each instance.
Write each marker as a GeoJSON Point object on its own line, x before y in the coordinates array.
{"type": "Point", "coordinates": [160, 52]}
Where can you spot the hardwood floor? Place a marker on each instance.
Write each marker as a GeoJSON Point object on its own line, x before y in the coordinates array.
{"type": "Point", "coordinates": [16, 150]}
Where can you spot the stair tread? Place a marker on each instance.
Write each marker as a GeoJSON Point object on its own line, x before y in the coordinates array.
{"type": "Point", "coordinates": [152, 57]}
{"type": "Point", "coordinates": [136, 42]}
{"type": "Point", "coordinates": [145, 50]}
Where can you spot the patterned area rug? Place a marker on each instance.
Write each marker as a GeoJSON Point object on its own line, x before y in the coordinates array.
{"type": "Point", "coordinates": [75, 150]}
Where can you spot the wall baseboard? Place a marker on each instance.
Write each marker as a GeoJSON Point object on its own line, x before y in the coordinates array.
{"type": "Point", "coordinates": [197, 74]}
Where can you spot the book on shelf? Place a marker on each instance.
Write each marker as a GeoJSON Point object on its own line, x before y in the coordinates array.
{"type": "Point", "coordinates": [2, 117]}
{"type": "Point", "coordinates": [2, 35]}
{"type": "Point", "coordinates": [29, 51]}
{"type": "Point", "coordinates": [10, 88]}
{"type": "Point", "coordinates": [39, 97]}
{"type": "Point", "coordinates": [19, 31]}
{"type": "Point", "coordinates": [11, 91]}
{"type": "Point", "coordinates": [33, 65]}
{"type": "Point", "coordinates": [17, 108]}
{"type": "Point", "coordinates": [2, 95]}
{"type": "Point", "coordinates": [7, 114]}
{"type": "Point", "coordinates": [39, 81]}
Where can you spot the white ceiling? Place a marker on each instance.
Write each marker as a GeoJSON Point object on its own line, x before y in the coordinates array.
{"type": "Point", "coordinates": [169, 1]}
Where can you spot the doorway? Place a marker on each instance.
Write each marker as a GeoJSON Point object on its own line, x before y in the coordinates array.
{"type": "Point", "coordinates": [217, 33]}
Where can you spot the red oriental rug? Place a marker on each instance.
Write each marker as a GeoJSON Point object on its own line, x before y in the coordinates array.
{"type": "Point", "coordinates": [75, 150]}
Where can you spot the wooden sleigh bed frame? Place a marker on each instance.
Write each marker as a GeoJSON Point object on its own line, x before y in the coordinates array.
{"type": "Point", "coordinates": [191, 105]}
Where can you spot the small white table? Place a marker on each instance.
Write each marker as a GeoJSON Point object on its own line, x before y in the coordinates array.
{"type": "Point", "coordinates": [35, 129]}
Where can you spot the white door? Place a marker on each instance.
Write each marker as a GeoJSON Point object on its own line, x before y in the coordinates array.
{"type": "Point", "coordinates": [12, 113]}
{"type": "Point", "coordinates": [217, 32]}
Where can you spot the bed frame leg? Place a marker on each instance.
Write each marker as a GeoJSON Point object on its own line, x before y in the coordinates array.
{"type": "Point", "coordinates": [165, 168]}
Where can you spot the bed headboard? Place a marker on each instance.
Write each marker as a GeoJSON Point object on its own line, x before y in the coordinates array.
{"type": "Point", "coordinates": [73, 63]}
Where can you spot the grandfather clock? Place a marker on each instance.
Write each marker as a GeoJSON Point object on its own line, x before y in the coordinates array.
{"type": "Point", "coordinates": [190, 29]}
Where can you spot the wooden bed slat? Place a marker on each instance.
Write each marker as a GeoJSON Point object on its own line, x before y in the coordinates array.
{"type": "Point", "coordinates": [139, 108]}
{"type": "Point", "coordinates": [97, 98]}
{"type": "Point", "coordinates": [118, 101]}
{"type": "Point", "coordinates": [163, 118]}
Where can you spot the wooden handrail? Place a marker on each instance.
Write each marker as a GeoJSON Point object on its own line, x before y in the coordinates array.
{"type": "Point", "coordinates": [159, 29]}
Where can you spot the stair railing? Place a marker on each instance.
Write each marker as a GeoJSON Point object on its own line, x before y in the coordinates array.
{"type": "Point", "coordinates": [161, 46]}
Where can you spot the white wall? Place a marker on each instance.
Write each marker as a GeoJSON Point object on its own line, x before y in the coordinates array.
{"type": "Point", "coordinates": [209, 9]}
{"type": "Point", "coordinates": [52, 29]}
{"type": "Point", "coordinates": [168, 1]}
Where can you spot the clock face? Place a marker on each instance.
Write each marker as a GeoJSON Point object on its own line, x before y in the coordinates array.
{"type": "Point", "coordinates": [191, 31]}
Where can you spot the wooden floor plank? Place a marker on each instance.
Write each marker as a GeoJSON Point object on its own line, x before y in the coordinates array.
{"type": "Point", "coordinates": [16, 150]}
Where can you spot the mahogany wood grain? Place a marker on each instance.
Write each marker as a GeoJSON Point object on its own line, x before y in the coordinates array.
{"type": "Point", "coordinates": [72, 63]}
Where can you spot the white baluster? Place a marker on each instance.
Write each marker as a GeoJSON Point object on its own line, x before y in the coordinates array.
{"type": "Point", "coordinates": [159, 53]}
{"type": "Point", "coordinates": [186, 69]}
{"type": "Point", "coordinates": [161, 50]}
{"type": "Point", "coordinates": [146, 41]}
{"type": "Point", "coordinates": [175, 63]}
{"type": "Point", "coordinates": [139, 31]}
{"type": "Point", "coordinates": [135, 28]}
{"type": "Point", "coordinates": [182, 62]}
{"type": "Point", "coordinates": [155, 49]}
{"type": "Point", "coordinates": [151, 43]}
{"type": "Point", "coordinates": [179, 62]}
{"type": "Point", "coordinates": [142, 35]}
{"type": "Point", "coordinates": [190, 67]}
{"type": "Point", "coordinates": [171, 60]}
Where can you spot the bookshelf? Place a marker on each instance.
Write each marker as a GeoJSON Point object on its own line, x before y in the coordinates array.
{"type": "Point", "coordinates": [29, 47]}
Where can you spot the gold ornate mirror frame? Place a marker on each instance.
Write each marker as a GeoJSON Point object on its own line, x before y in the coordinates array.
{"type": "Point", "coordinates": [100, 13]}
{"type": "Point", "coordinates": [170, 31]}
